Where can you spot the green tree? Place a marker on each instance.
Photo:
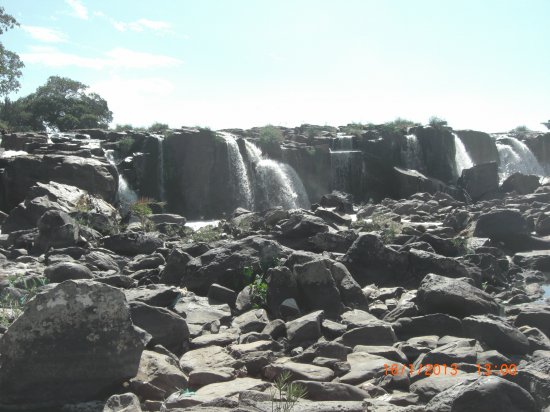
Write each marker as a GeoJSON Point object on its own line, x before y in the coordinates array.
{"type": "Point", "coordinates": [158, 127]}
{"type": "Point", "coordinates": [123, 127]}
{"type": "Point", "coordinates": [437, 122]}
{"type": "Point", "coordinates": [547, 124]}
{"type": "Point", "coordinates": [10, 64]}
{"type": "Point", "coordinates": [61, 103]}
{"type": "Point", "coordinates": [271, 135]}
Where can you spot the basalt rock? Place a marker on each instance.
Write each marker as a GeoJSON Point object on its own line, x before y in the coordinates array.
{"type": "Point", "coordinates": [22, 172]}
{"type": "Point", "coordinates": [74, 342]}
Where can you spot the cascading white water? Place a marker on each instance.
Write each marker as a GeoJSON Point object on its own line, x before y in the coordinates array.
{"type": "Point", "coordinates": [162, 190]}
{"type": "Point", "coordinates": [126, 196]}
{"type": "Point", "coordinates": [515, 156]}
{"type": "Point", "coordinates": [413, 153]}
{"type": "Point", "coordinates": [342, 142]}
{"type": "Point", "coordinates": [462, 158]}
{"type": "Point", "coordinates": [278, 183]}
{"type": "Point", "coordinates": [341, 163]}
{"type": "Point", "coordinates": [239, 176]}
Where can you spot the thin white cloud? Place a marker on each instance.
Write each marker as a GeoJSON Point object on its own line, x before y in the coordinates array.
{"type": "Point", "coordinates": [45, 34]}
{"type": "Point", "coordinates": [141, 25]}
{"type": "Point", "coordinates": [119, 58]}
{"type": "Point", "coordinates": [79, 10]}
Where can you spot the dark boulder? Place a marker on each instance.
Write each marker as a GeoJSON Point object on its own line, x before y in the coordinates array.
{"type": "Point", "coordinates": [84, 324]}
{"type": "Point", "coordinates": [487, 393]}
{"type": "Point", "coordinates": [370, 261]}
{"type": "Point", "coordinates": [437, 323]}
{"type": "Point", "coordinates": [455, 297]}
{"type": "Point", "coordinates": [67, 270]}
{"type": "Point", "coordinates": [520, 183]}
{"type": "Point", "coordinates": [343, 202]}
{"type": "Point", "coordinates": [480, 146]}
{"type": "Point", "coordinates": [318, 288]}
{"type": "Point", "coordinates": [42, 197]}
{"type": "Point", "coordinates": [501, 224]}
{"type": "Point", "coordinates": [132, 243]}
{"type": "Point", "coordinates": [224, 264]}
{"type": "Point", "coordinates": [56, 229]}
{"type": "Point", "coordinates": [408, 182]}
{"type": "Point", "coordinates": [480, 181]}
{"type": "Point", "coordinates": [167, 328]}
{"type": "Point", "coordinates": [496, 333]}
{"type": "Point", "coordinates": [22, 172]}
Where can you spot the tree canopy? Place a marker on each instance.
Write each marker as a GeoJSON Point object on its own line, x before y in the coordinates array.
{"type": "Point", "coordinates": [61, 103]}
{"type": "Point", "coordinates": [10, 64]}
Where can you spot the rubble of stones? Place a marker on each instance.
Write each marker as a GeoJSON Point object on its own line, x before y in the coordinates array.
{"type": "Point", "coordinates": [127, 319]}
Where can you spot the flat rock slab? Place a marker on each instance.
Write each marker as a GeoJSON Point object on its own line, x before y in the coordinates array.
{"type": "Point", "coordinates": [226, 389]}
{"type": "Point", "coordinates": [299, 371]}
{"type": "Point", "coordinates": [211, 357]}
{"type": "Point", "coordinates": [73, 343]}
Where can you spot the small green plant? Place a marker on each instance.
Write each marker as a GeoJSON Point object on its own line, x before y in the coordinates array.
{"type": "Point", "coordinates": [206, 234]}
{"type": "Point", "coordinates": [286, 393]}
{"type": "Point", "coordinates": [484, 285]}
{"type": "Point", "coordinates": [124, 146]}
{"type": "Point", "coordinates": [142, 210]}
{"type": "Point", "coordinates": [388, 228]}
{"type": "Point", "coordinates": [258, 282]}
{"type": "Point", "coordinates": [461, 244]}
{"type": "Point", "coordinates": [258, 287]}
{"type": "Point", "coordinates": [11, 307]}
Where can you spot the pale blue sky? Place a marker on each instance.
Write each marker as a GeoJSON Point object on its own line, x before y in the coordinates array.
{"type": "Point", "coordinates": [480, 64]}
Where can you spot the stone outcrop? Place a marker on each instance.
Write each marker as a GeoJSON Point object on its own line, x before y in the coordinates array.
{"type": "Point", "coordinates": [20, 173]}
{"type": "Point", "coordinates": [74, 342]}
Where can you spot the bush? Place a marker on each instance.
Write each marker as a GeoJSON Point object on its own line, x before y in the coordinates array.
{"type": "Point", "coordinates": [124, 146]}
{"type": "Point", "coordinates": [206, 234]}
{"type": "Point", "coordinates": [354, 129]}
{"type": "Point", "coordinates": [158, 128]}
{"type": "Point", "coordinates": [142, 210]}
{"type": "Point", "coordinates": [123, 127]}
{"type": "Point", "coordinates": [271, 136]}
{"type": "Point", "coordinates": [437, 122]}
{"type": "Point", "coordinates": [401, 124]}
{"type": "Point", "coordinates": [382, 223]}
{"type": "Point", "coordinates": [520, 131]}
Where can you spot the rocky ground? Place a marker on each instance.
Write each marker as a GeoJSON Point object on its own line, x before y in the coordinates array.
{"type": "Point", "coordinates": [353, 304]}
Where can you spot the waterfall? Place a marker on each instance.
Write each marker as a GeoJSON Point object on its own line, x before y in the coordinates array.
{"type": "Point", "coordinates": [126, 196]}
{"type": "Point", "coordinates": [341, 169]}
{"type": "Point", "coordinates": [462, 158]}
{"type": "Point", "coordinates": [239, 176]}
{"type": "Point", "coordinates": [515, 156]}
{"type": "Point", "coordinates": [162, 190]}
{"type": "Point", "coordinates": [342, 142]}
{"type": "Point", "coordinates": [412, 153]}
{"type": "Point", "coordinates": [277, 184]}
